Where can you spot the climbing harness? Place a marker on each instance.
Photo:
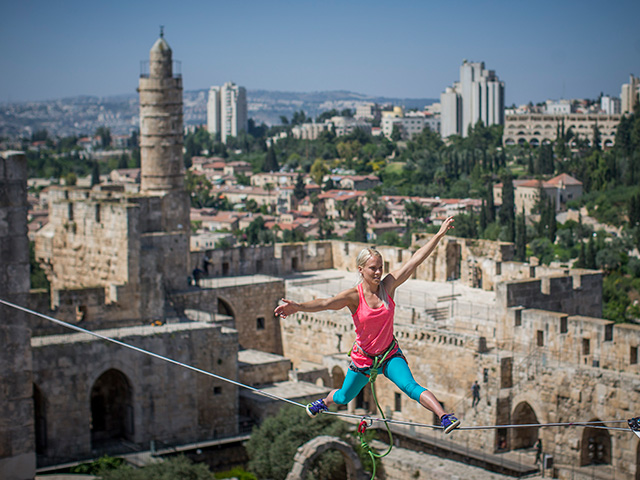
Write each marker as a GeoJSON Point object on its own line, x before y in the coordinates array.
{"type": "Point", "coordinates": [366, 421]}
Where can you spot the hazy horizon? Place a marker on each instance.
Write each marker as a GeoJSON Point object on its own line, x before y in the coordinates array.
{"type": "Point", "coordinates": [546, 50]}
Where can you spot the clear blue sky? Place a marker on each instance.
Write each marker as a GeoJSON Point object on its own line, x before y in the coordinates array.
{"type": "Point", "coordinates": [540, 49]}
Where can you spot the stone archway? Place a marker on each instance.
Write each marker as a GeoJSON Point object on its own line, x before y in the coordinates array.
{"type": "Point", "coordinates": [111, 409]}
{"type": "Point", "coordinates": [311, 450]}
{"type": "Point", "coordinates": [224, 308]}
{"type": "Point", "coordinates": [596, 446]}
{"type": "Point", "coordinates": [524, 437]}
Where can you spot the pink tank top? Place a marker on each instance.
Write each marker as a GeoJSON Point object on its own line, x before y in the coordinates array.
{"type": "Point", "coordinates": [374, 330]}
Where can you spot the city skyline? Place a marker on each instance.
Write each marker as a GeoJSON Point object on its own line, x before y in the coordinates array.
{"type": "Point", "coordinates": [547, 50]}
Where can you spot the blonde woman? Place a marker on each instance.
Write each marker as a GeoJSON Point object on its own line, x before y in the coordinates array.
{"type": "Point", "coordinates": [372, 308]}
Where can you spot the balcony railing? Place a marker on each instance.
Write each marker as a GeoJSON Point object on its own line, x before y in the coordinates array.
{"type": "Point", "coordinates": [176, 68]}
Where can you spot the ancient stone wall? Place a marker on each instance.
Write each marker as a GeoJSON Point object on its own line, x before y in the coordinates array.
{"type": "Point", "coordinates": [279, 259]}
{"type": "Point", "coordinates": [17, 422]}
{"type": "Point", "coordinates": [574, 295]}
{"type": "Point", "coordinates": [252, 307]}
{"type": "Point", "coordinates": [168, 403]}
{"type": "Point", "coordinates": [94, 241]}
{"type": "Point", "coordinates": [257, 368]}
{"type": "Point", "coordinates": [561, 392]}
{"type": "Point", "coordinates": [250, 301]}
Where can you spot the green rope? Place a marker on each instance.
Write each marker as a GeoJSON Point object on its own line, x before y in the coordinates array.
{"type": "Point", "coordinates": [373, 373]}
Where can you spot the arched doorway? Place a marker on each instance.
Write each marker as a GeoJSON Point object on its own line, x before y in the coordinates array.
{"type": "Point", "coordinates": [337, 377]}
{"type": "Point", "coordinates": [525, 437]}
{"type": "Point", "coordinates": [225, 309]}
{"type": "Point", "coordinates": [596, 446]}
{"type": "Point", "coordinates": [40, 417]}
{"type": "Point", "coordinates": [111, 410]}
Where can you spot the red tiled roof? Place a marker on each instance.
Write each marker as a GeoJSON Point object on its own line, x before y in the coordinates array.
{"type": "Point", "coordinates": [565, 179]}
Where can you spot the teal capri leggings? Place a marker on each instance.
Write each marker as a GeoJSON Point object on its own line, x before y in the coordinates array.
{"type": "Point", "coordinates": [396, 370]}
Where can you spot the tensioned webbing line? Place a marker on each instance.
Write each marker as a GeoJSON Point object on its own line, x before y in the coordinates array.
{"type": "Point", "coordinates": [147, 352]}
{"type": "Point", "coordinates": [594, 424]}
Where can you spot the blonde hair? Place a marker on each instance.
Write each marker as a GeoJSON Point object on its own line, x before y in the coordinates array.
{"type": "Point", "coordinates": [362, 258]}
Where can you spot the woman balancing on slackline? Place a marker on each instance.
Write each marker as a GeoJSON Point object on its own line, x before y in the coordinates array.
{"type": "Point", "coordinates": [372, 308]}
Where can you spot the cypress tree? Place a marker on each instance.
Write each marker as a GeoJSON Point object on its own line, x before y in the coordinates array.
{"type": "Point", "coordinates": [483, 217]}
{"type": "Point", "coordinates": [507, 210]}
{"type": "Point", "coordinates": [361, 225]}
{"type": "Point", "coordinates": [95, 174]}
{"type": "Point", "coordinates": [521, 237]}
{"type": "Point", "coordinates": [271, 162]}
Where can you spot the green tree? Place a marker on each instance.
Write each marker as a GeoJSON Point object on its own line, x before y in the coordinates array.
{"type": "Point", "coordinates": [105, 136]}
{"type": "Point", "coordinates": [396, 133]}
{"type": "Point", "coordinates": [318, 171]}
{"type": "Point", "coordinates": [361, 225]}
{"type": "Point", "coordinates": [95, 173]}
{"type": "Point", "coordinates": [299, 190]}
{"type": "Point", "coordinates": [521, 237]}
{"type": "Point", "coordinates": [376, 207]}
{"type": "Point", "coordinates": [507, 210]}
{"type": "Point", "coordinates": [172, 468]}
{"type": "Point", "coordinates": [271, 161]}
{"type": "Point", "coordinates": [257, 233]}
{"type": "Point", "coordinates": [273, 445]}
{"type": "Point", "coordinates": [199, 190]}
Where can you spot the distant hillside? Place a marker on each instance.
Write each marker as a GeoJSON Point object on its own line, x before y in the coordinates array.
{"type": "Point", "coordinates": [84, 114]}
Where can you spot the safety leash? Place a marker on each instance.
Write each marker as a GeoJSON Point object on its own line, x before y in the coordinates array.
{"type": "Point", "coordinates": [367, 422]}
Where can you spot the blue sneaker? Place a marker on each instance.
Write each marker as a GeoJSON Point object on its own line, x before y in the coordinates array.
{"type": "Point", "coordinates": [448, 422]}
{"type": "Point", "coordinates": [316, 407]}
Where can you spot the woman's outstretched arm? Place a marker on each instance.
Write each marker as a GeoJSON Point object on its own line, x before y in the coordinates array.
{"type": "Point", "coordinates": [347, 298]}
{"type": "Point", "coordinates": [402, 274]}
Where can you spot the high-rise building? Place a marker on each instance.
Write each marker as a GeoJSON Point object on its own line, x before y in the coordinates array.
{"type": "Point", "coordinates": [479, 95]}
{"type": "Point", "coordinates": [629, 94]}
{"type": "Point", "coordinates": [227, 111]}
{"type": "Point", "coordinates": [610, 105]}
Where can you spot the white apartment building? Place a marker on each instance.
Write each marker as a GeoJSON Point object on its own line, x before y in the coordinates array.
{"type": "Point", "coordinates": [479, 95]}
{"type": "Point", "coordinates": [610, 105]}
{"type": "Point", "coordinates": [227, 110]}
{"type": "Point", "coordinates": [560, 107]}
{"type": "Point", "coordinates": [629, 95]}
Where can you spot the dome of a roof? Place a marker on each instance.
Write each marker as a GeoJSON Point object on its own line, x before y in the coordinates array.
{"type": "Point", "coordinates": [161, 46]}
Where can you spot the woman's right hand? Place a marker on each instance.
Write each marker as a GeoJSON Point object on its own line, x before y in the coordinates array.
{"type": "Point", "coordinates": [288, 307]}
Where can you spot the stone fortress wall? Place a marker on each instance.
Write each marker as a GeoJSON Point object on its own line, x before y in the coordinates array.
{"type": "Point", "coordinates": [157, 401]}
{"type": "Point", "coordinates": [17, 444]}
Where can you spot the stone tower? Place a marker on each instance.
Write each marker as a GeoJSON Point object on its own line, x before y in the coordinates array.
{"type": "Point", "coordinates": [161, 122]}
{"type": "Point", "coordinates": [17, 423]}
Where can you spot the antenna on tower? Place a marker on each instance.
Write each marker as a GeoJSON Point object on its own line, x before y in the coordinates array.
{"type": "Point", "coordinates": [161, 31]}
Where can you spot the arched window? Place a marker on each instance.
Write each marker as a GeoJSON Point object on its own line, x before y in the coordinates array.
{"type": "Point", "coordinates": [596, 446]}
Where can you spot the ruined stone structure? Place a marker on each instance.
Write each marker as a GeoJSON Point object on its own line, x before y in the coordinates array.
{"type": "Point", "coordinates": [305, 455]}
